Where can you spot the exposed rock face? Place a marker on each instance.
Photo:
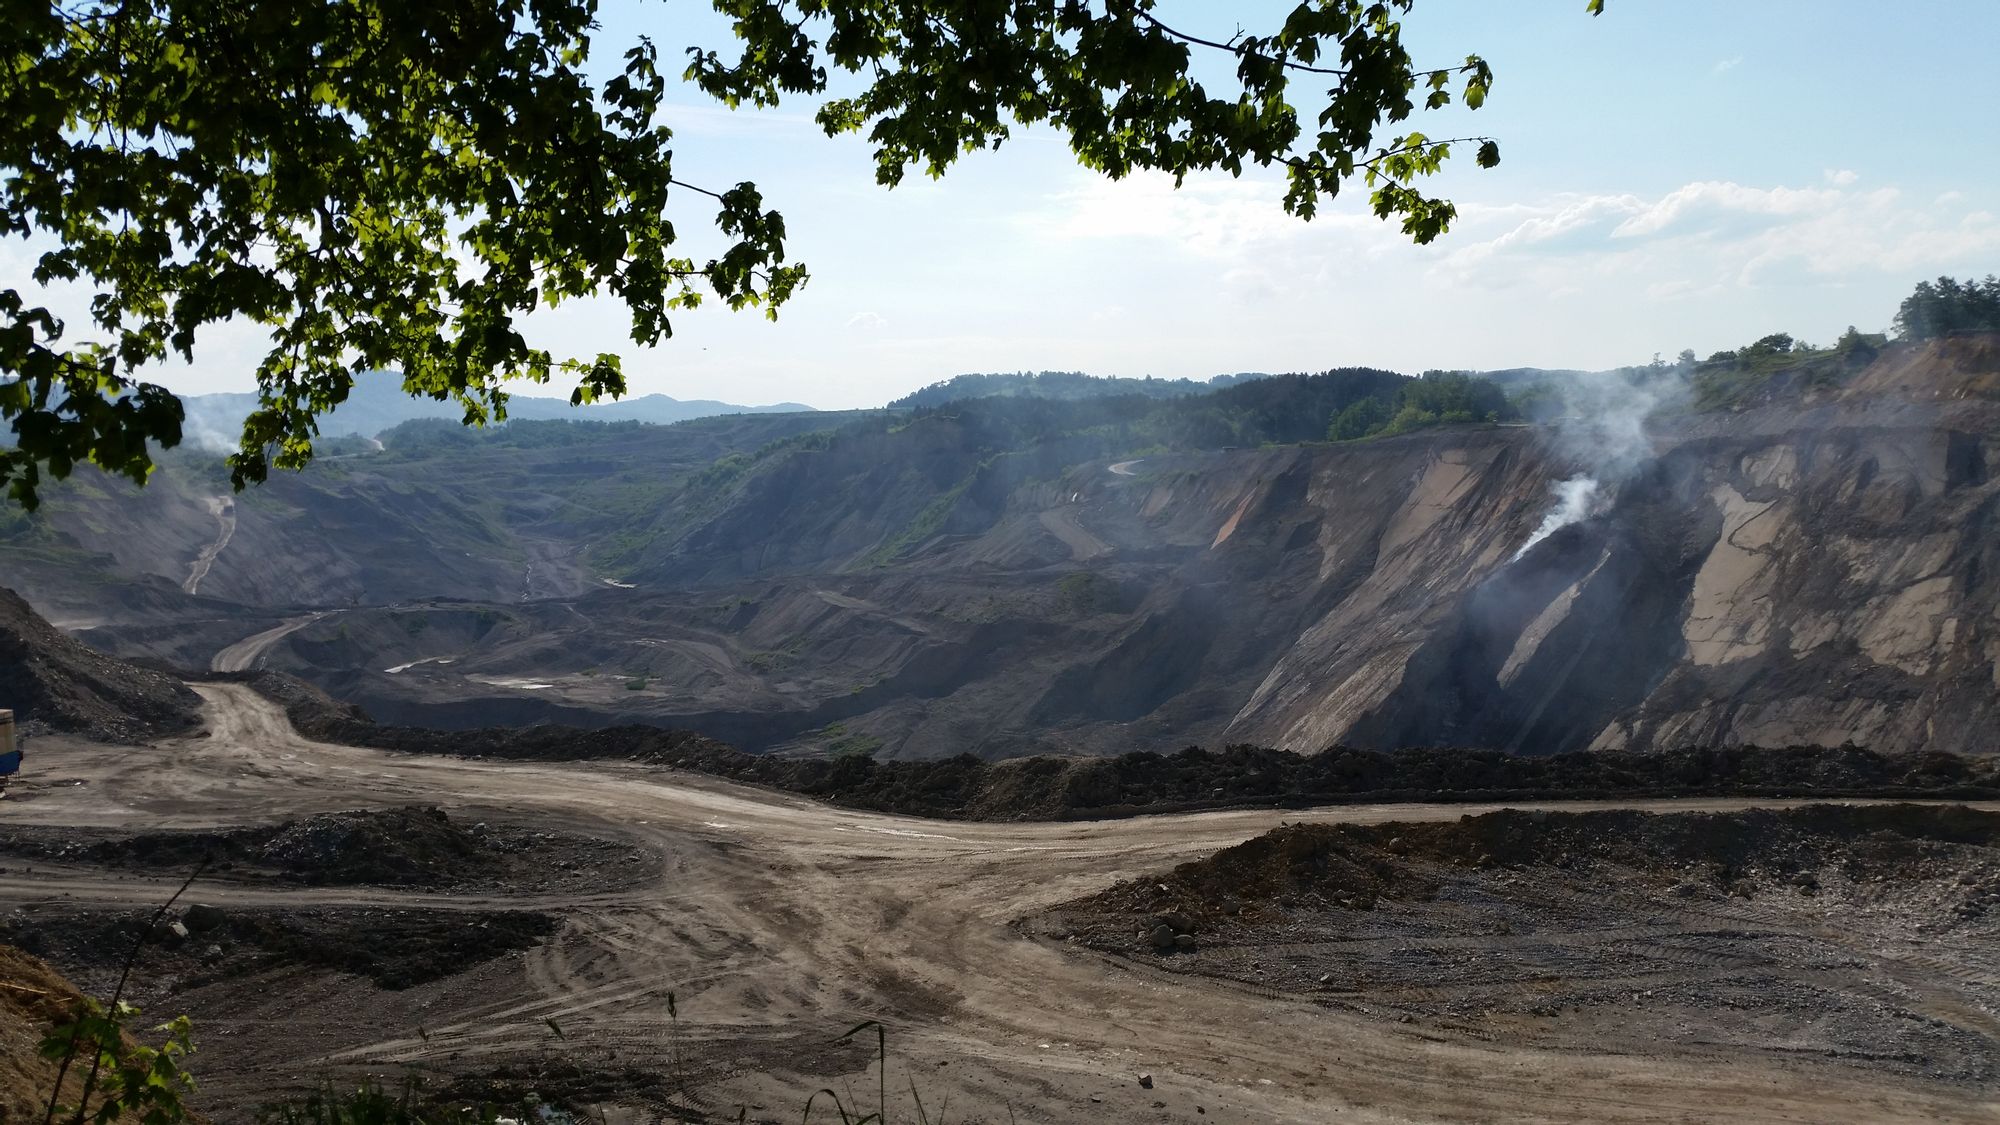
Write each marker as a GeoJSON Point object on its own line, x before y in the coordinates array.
{"type": "Point", "coordinates": [1810, 575]}
{"type": "Point", "coordinates": [50, 680]}
{"type": "Point", "coordinates": [1820, 570]}
{"type": "Point", "coordinates": [1848, 596]}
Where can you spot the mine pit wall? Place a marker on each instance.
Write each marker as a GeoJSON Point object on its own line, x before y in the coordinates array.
{"type": "Point", "coordinates": [1824, 584]}
{"type": "Point", "coordinates": [1403, 530]}
{"type": "Point", "coordinates": [1816, 571]}
{"type": "Point", "coordinates": [1829, 582]}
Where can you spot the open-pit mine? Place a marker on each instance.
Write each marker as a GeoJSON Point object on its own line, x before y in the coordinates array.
{"type": "Point", "coordinates": [1482, 772]}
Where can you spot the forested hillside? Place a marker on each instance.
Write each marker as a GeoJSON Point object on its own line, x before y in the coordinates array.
{"type": "Point", "coordinates": [1064, 385]}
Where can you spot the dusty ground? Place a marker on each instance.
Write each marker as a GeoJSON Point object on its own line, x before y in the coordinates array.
{"type": "Point", "coordinates": [776, 923]}
{"type": "Point", "coordinates": [1860, 934]}
{"type": "Point", "coordinates": [411, 846]}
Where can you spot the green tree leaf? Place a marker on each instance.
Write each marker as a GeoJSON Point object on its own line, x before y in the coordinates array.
{"type": "Point", "coordinates": [397, 186]}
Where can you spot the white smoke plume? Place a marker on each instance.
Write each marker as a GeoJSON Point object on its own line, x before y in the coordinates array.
{"type": "Point", "coordinates": [202, 435]}
{"type": "Point", "coordinates": [1575, 498]}
{"type": "Point", "coordinates": [214, 423]}
{"type": "Point", "coordinates": [1602, 430]}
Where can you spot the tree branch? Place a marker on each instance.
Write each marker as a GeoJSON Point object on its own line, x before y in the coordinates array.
{"type": "Point", "coordinates": [715, 195]}
{"type": "Point", "coordinates": [1288, 64]}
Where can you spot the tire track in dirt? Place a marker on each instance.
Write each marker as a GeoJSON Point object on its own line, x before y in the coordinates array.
{"type": "Point", "coordinates": [243, 655]}
{"type": "Point", "coordinates": [775, 923]}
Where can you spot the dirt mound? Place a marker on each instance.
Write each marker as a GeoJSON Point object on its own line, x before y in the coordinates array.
{"type": "Point", "coordinates": [33, 1000]}
{"type": "Point", "coordinates": [400, 847]}
{"type": "Point", "coordinates": [318, 715]}
{"type": "Point", "coordinates": [1861, 935]}
{"type": "Point", "coordinates": [54, 682]}
{"type": "Point", "coordinates": [1053, 788]}
{"type": "Point", "coordinates": [418, 847]}
{"type": "Point", "coordinates": [393, 948]}
{"type": "Point", "coordinates": [1357, 864]}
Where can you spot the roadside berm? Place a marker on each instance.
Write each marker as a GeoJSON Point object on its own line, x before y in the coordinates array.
{"type": "Point", "coordinates": [1860, 934]}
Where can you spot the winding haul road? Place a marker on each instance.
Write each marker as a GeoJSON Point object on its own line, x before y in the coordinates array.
{"type": "Point", "coordinates": [223, 508]}
{"type": "Point", "coordinates": [780, 922]}
{"type": "Point", "coordinates": [243, 655]}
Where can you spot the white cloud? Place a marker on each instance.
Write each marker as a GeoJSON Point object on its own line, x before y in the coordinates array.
{"type": "Point", "coordinates": [1841, 177]}
{"type": "Point", "coordinates": [867, 322]}
{"type": "Point", "coordinates": [1728, 64]}
{"type": "Point", "coordinates": [1707, 205]}
{"type": "Point", "coordinates": [1211, 217]}
{"type": "Point", "coordinates": [1711, 234]}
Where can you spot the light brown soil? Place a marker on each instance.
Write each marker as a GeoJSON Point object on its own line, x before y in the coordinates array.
{"type": "Point", "coordinates": [1858, 934]}
{"type": "Point", "coordinates": [777, 923]}
{"type": "Point", "coordinates": [34, 1000]}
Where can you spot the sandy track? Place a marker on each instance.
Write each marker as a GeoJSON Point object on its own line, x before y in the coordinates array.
{"type": "Point", "coordinates": [1083, 546]}
{"type": "Point", "coordinates": [223, 508]}
{"type": "Point", "coordinates": [778, 917]}
{"type": "Point", "coordinates": [242, 656]}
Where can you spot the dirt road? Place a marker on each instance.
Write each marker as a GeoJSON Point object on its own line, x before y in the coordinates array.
{"type": "Point", "coordinates": [780, 922]}
{"type": "Point", "coordinates": [242, 656]}
{"type": "Point", "coordinates": [224, 510]}
{"type": "Point", "coordinates": [1083, 546]}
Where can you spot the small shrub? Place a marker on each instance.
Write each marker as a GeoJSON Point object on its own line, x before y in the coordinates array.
{"type": "Point", "coordinates": [147, 1082]}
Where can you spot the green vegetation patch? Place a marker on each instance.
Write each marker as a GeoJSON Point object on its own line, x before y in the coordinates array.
{"type": "Point", "coordinates": [1731, 380]}
{"type": "Point", "coordinates": [843, 743]}
{"type": "Point", "coordinates": [1439, 398]}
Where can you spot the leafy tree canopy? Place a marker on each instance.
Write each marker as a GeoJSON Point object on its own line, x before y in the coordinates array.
{"type": "Point", "coordinates": [1949, 305]}
{"type": "Point", "coordinates": [1439, 398]}
{"type": "Point", "coordinates": [395, 185]}
{"type": "Point", "coordinates": [1060, 385]}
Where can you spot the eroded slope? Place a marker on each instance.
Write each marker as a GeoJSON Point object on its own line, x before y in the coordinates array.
{"type": "Point", "coordinates": [1861, 936]}
{"type": "Point", "coordinates": [54, 682]}
{"type": "Point", "coordinates": [1814, 567]}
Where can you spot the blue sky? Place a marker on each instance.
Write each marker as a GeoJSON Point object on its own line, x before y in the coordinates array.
{"type": "Point", "coordinates": [1676, 173]}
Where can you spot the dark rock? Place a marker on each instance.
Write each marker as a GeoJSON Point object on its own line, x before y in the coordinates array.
{"type": "Point", "coordinates": [201, 917]}
{"type": "Point", "coordinates": [53, 681]}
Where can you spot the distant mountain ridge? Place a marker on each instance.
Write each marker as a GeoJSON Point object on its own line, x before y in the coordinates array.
{"type": "Point", "coordinates": [1809, 562]}
{"type": "Point", "coordinates": [379, 403]}
{"type": "Point", "coordinates": [1063, 386]}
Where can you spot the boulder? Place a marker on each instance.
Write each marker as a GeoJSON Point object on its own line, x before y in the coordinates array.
{"type": "Point", "coordinates": [201, 917]}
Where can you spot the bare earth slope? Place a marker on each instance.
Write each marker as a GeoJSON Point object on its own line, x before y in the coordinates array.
{"type": "Point", "coordinates": [1050, 787]}
{"type": "Point", "coordinates": [1812, 570]}
{"type": "Point", "coordinates": [1853, 933]}
{"type": "Point", "coordinates": [34, 1000]}
{"type": "Point", "coordinates": [56, 683]}
{"type": "Point", "coordinates": [778, 923]}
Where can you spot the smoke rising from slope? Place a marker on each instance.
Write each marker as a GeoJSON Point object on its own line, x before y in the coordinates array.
{"type": "Point", "coordinates": [201, 432]}
{"type": "Point", "coordinates": [1574, 500]}
{"type": "Point", "coordinates": [1602, 429]}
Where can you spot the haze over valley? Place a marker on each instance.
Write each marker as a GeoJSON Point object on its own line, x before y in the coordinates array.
{"type": "Point", "coordinates": [619, 645]}
{"type": "Point", "coordinates": [596, 563]}
{"type": "Point", "coordinates": [1642, 569]}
